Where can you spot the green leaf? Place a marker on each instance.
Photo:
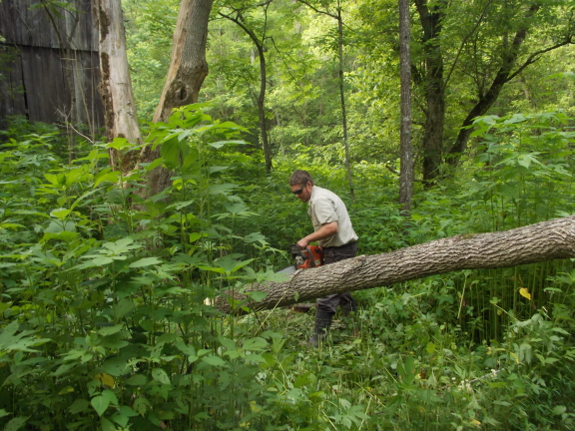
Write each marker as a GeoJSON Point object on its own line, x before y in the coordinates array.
{"type": "Point", "coordinates": [159, 375]}
{"type": "Point", "coordinates": [115, 366]}
{"type": "Point", "coordinates": [60, 213]}
{"type": "Point", "coordinates": [302, 380]}
{"type": "Point", "coordinates": [257, 343]}
{"type": "Point", "coordinates": [212, 269]}
{"type": "Point", "coordinates": [140, 405]}
{"type": "Point", "coordinates": [62, 226]}
{"type": "Point", "coordinates": [109, 330]}
{"type": "Point", "coordinates": [122, 245]}
{"type": "Point", "coordinates": [218, 189]}
{"type": "Point", "coordinates": [146, 261]}
{"type": "Point", "coordinates": [189, 161]}
{"type": "Point", "coordinates": [194, 236]}
{"type": "Point", "coordinates": [258, 296]}
{"type": "Point", "coordinates": [66, 390]}
{"type": "Point", "coordinates": [11, 226]}
{"type": "Point", "coordinates": [255, 237]}
{"type": "Point", "coordinates": [9, 341]}
{"type": "Point", "coordinates": [220, 144]}
{"type": "Point", "coordinates": [559, 410]}
{"type": "Point", "coordinates": [62, 236]}
{"type": "Point", "coordinates": [111, 177]}
{"type": "Point", "coordinates": [228, 265]}
{"type": "Point", "coordinates": [100, 404]}
{"type": "Point", "coordinates": [121, 419]}
{"type": "Point", "coordinates": [170, 152]}
{"type": "Point", "coordinates": [128, 411]}
{"type": "Point", "coordinates": [516, 118]}
{"type": "Point", "coordinates": [215, 361]}
{"type": "Point", "coordinates": [107, 425]}
{"type": "Point", "coordinates": [227, 343]}
{"type": "Point", "coordinates": [16, 423]}
{"type": "Point", "coordinates": [184, 348]}
{"type": "Point", "coordinates": [119, 144]}
{"type": "Point", "coordinates": [124, 306]}
{"type": "Point", "coordinates": [95, 262]}
{"type": "Point", "coordinates": [242, 264]}
{"type": "Point", "coordinates": [179, 205]}
{"type": "Point", "coordinates": [110, 396]}
{"type": "Point", "coordinates": [79, 406]}
{"type": "Point", "coordinates": [137, 380]}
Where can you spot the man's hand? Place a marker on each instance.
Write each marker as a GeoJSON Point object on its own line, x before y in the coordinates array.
{"type": "Point", "coordinates": [325, 231]}
{"type": "Point", "coordinates": [303, 243]}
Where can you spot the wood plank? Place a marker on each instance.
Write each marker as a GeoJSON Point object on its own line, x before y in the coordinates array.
{"type": "Point", "coordinates": [25, 22]}
{"type": "Point", "coordinates": [11, 91]}
{"type": "Point", "coordinates": [89, 109]}
{"type": "Point", "coordinates": [59, 83]}
{"type": "Point", "coordinates": [44, 84]}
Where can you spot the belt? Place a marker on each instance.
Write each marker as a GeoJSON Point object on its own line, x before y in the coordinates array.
{"type": "Point", "coordinates": [349, 244]}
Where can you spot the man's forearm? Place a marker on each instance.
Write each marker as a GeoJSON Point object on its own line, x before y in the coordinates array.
{"type": "Point", "coordinates": [323, 232]}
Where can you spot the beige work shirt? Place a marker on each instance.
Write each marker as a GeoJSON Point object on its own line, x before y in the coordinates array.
{"type": "Point", "coordinates": [326, 207]}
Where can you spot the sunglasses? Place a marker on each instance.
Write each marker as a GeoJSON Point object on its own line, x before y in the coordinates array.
{"type": "Point", "coordinates": [298, 192]}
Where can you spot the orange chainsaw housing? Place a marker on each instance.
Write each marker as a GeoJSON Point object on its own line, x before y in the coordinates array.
{"type": "Point", "coordinates": [310, 257]}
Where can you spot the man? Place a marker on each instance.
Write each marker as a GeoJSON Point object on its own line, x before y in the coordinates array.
{"type": "Point", "coordinates": [334, 233]}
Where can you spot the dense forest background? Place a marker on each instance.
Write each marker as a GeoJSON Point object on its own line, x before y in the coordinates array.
{"type": "Point", "coordinates": [104, 322]}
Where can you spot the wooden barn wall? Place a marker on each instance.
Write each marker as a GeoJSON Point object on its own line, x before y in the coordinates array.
{"type": "Point", "coordinates": [54, 72]}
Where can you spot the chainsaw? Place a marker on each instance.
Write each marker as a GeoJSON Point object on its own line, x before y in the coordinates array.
{"type": "Point", "coordinates": [309, 257]}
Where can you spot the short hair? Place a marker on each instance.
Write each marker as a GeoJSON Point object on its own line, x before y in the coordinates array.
{"type": "Point", "coordinates": [300, 178]}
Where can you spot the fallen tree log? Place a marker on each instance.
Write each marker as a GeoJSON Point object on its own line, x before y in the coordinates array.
{"type": "Point", "coordinates": [539, 242]}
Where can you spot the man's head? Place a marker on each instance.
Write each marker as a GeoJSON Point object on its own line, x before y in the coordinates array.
{"type": "Point", "coordinates": [301, 184]}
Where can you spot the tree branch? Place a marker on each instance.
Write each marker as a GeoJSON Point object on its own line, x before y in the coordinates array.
{"type": "Point", "coordinates": [463, 42]}
{"type": "Point", "coordinates": [317, 10]}
{"type": "Point", "coordinates": [538, 54]}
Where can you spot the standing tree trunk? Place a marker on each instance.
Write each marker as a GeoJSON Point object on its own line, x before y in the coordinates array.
{"type": "Point", "coordinates": [432, 142]}
{"type": "Point", "coordinates": [539, 242]}
{"type": "Point", "coordinates": [115, 85]}
{"type": "Point", "coordinates": [342, 98]}
{"type": "Point", "coordinates": [259, 42]}
{"type": "Point", "coordinates": [406, 169]}
{"type": "Point", "coordinates": [188, 69]}
{"type": "Point", "coordinates": [188, 66]}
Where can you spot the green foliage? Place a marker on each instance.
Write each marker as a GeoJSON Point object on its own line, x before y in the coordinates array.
{"type": "Point", "coordinates": [104, 323]}
{"type": "Point", "coordinates": [150, 27]}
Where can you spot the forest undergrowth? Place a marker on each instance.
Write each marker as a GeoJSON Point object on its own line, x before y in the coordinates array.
{"type": "Point", "coordinates": [104, 325]}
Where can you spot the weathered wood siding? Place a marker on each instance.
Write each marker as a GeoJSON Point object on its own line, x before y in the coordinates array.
{"type": "Point", "coordinates": [53, 72]}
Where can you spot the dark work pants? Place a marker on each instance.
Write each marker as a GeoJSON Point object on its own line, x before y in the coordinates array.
{"type": "Point", "coordinates": [332, 255]}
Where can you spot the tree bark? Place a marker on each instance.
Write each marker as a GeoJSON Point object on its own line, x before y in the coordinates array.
{"type": "Point", "coordinates": [188, 69]}
{"type": "Point", "coordinates": [342, 101]}
{"type": "Point", "coordinates": [188, 65]}
{"type": "Point", "coordinates": [432, 143]}
{"type": "Point", "coordinates": [115, 85]}
{"type": "Point", "coordinates": [539, 242]}
{"type": "Point", "coordinates": [406, 168]}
